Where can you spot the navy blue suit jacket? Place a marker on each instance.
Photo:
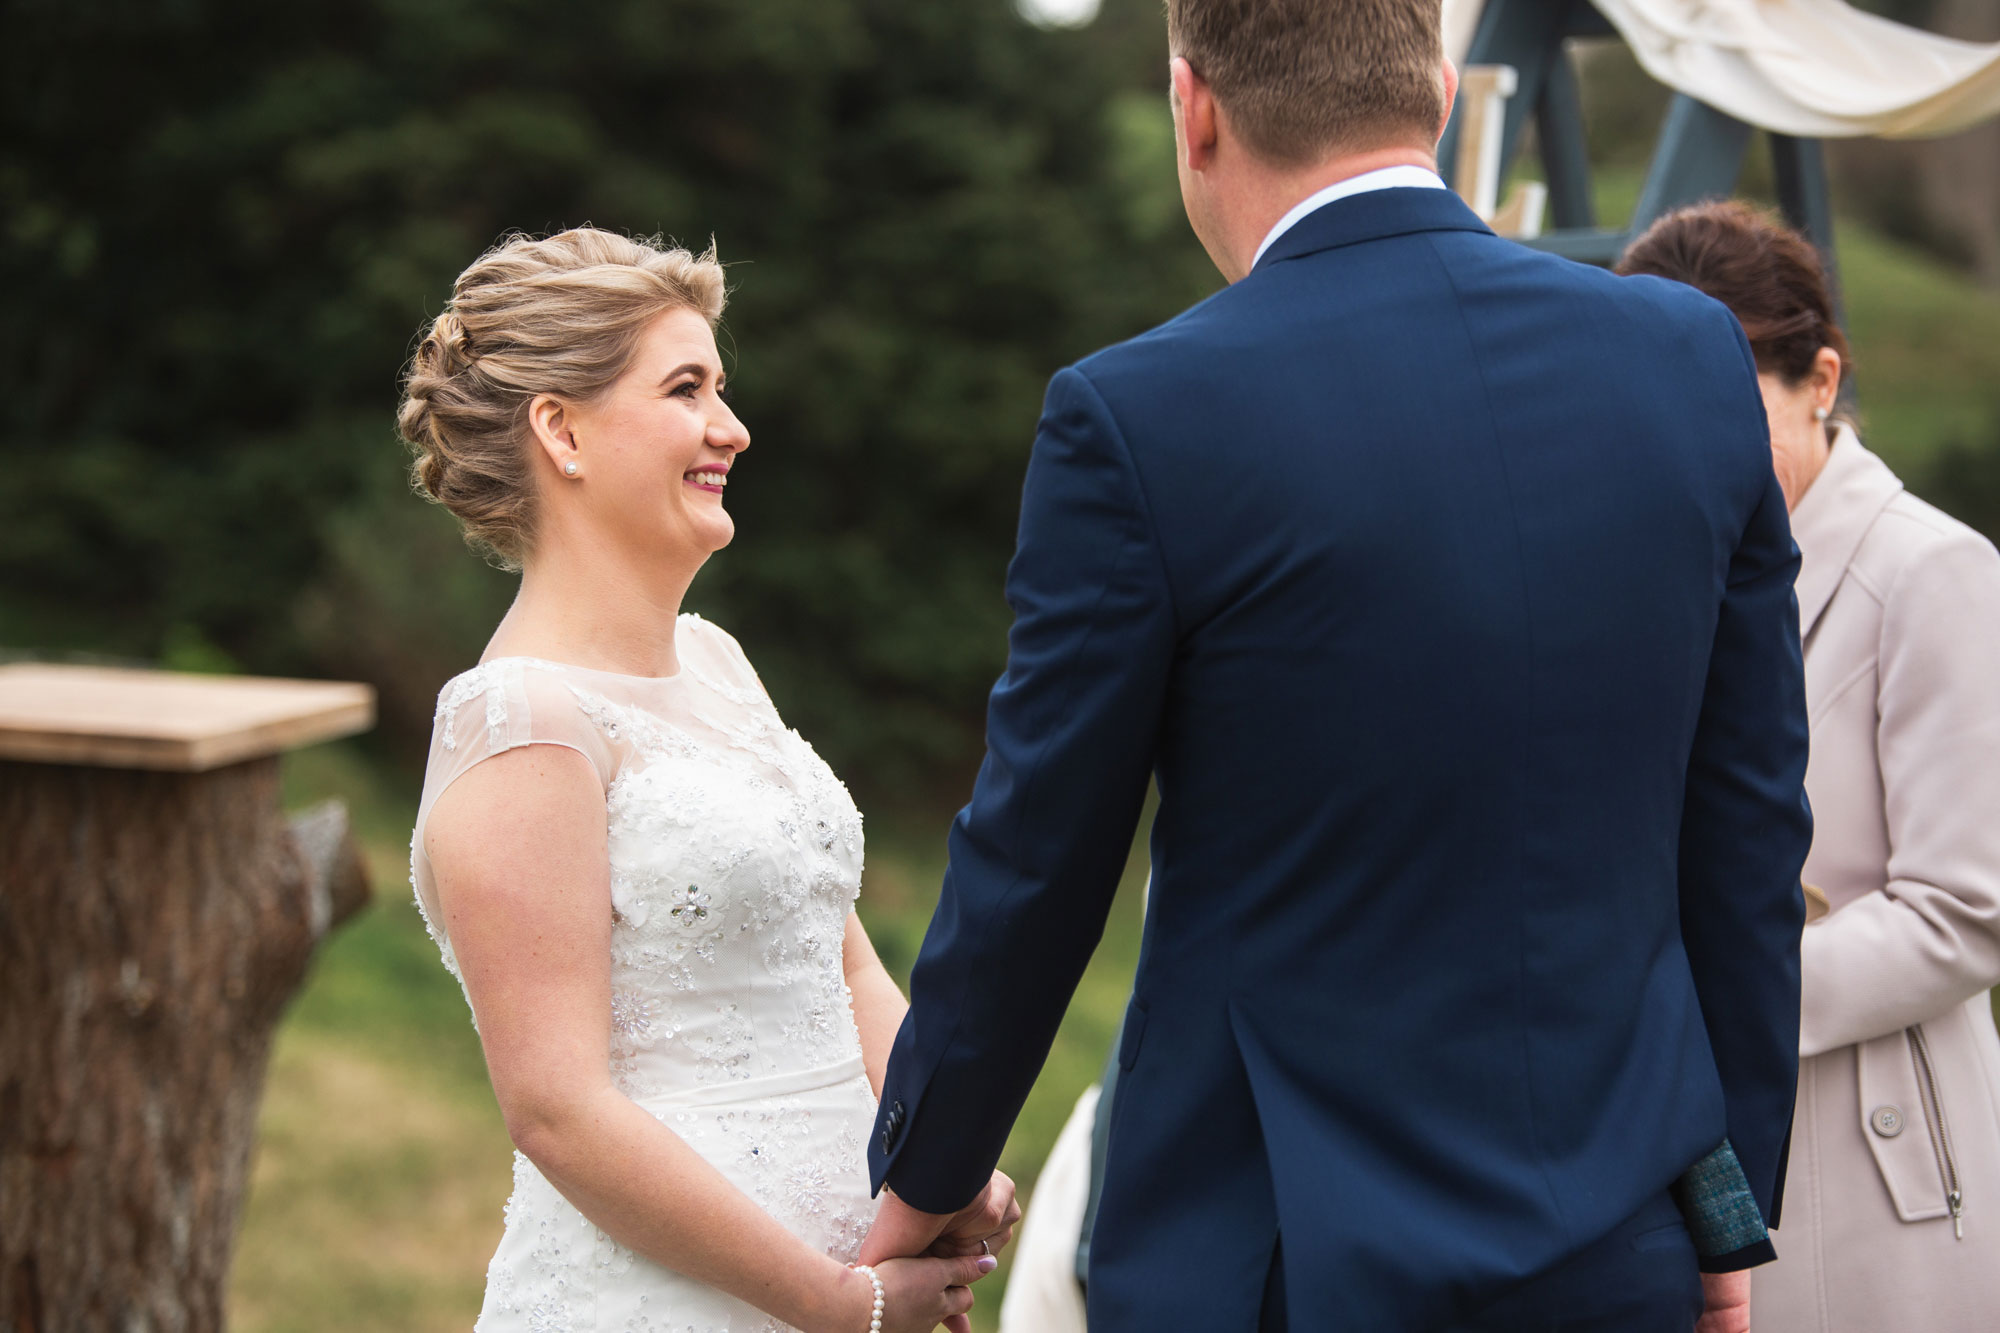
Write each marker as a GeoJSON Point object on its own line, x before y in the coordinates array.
{"type": "Point", "coordinates": [1444, 589]}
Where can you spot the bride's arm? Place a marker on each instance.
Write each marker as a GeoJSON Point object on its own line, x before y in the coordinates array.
{"type": "Point", "coordinates": [518, 847]}
{"type": "Point", "coordinates": [987, 1224]}
{"type": "Point", "coordinates": [878, 1005]}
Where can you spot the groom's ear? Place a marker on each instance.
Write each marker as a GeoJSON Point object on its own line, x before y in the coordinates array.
{"type": "Point", "coordinates": [1194, 115]}
{"type": "Point", "coordinates": [1450, 95]}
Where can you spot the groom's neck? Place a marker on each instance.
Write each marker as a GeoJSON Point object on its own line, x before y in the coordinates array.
{"type": "Point", "coordinates": [1257, 194]}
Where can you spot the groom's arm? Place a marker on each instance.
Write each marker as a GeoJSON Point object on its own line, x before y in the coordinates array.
{"type": "Point", "coordinates": [1745, 830]}
{"type": "Point", "coordinates": [1036, 857]}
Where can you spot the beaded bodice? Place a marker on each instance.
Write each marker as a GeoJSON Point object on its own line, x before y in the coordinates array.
{"type": "Point", "coordinates": [734, 857]}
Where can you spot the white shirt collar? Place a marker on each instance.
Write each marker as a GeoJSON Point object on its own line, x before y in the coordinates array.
{"type": "Point", "coordinates": [1384, 178]}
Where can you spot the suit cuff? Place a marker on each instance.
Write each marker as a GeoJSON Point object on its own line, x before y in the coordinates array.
{"type": "Point", "coordinates": [1763, 1252]}
{"type": "Point", "coordinates": [919, 1196]}
{"type": "Point", "coordinates": [942, 1187]}
{"type": "Point", "coordinates": [1722, 1214]}
{"type": "Point", "coordinates": [933, 1174]}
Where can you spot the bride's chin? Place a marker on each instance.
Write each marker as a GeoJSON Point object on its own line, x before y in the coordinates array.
{"type": "Point", "coordinates": [717, 530]}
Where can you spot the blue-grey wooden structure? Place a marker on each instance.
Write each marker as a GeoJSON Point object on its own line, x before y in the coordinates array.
{"type": "Point", "coordinates": [1699, 156]}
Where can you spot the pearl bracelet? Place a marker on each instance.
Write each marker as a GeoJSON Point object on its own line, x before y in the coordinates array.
{"type": "Point", "coordinates": [881, 1297]}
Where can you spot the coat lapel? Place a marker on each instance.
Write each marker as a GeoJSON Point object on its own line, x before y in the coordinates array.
{"type": "Point", "coordinates": [1830, 522]}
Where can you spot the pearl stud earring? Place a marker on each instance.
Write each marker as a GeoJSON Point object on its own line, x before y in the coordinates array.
{"type": "Point", "coordinates": [569, 468]}
{"type": "Point", "coordinates": [1821, 414]}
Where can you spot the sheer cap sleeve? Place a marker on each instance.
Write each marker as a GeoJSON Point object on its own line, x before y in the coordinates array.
{"type": "Point", "coordinates": [715, 654]}
{"type": "Point", "coordinates": [620, 723]}
{"type": "Point", "coordinates": [497, 706]}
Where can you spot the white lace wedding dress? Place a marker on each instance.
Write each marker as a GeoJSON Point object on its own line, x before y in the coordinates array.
{"type": "Point", "coordinates": [735, 858]}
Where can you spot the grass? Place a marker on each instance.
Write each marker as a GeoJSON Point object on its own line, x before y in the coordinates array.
{"type": "Point", "coordinates": [382, 1164]}
{"type": "Point", "coordinates": [1926, 350]}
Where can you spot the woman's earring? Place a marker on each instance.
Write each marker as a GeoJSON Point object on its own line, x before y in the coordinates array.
{"type": "Point", "coordinates": [1820, 414]}
{"type": "Point", "coordinates": [569, 468]}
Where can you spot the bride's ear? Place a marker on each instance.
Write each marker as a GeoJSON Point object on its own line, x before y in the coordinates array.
{"type": "Point", "coordinates": [549, 422]}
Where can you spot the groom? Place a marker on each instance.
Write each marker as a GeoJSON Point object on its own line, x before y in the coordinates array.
{"type": "Point", "coordinates": [1444, 589]}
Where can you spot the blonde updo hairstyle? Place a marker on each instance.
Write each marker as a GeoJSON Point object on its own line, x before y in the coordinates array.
{"type": "Point", "coordinates": [559, 316]}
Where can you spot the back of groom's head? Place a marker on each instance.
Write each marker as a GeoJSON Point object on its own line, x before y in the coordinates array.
{"type": "Point", "coordinates": [1301, 80]}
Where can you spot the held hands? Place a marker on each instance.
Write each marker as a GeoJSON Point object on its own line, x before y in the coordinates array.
{"type": "Point", "coordinates": [968, 1236]}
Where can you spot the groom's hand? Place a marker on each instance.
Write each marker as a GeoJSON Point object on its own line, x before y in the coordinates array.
{"type": "Point", "coordinates": [982, 1226]}
{"type": "Point", "coordinates": [1727, 1297]}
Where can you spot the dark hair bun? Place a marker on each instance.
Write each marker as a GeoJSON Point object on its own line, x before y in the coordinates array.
{"type": "Point", "coordinates": [1769, 276]}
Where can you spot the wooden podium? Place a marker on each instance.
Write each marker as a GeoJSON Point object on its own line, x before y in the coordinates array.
{"type": "Point", "coordinates": [157, 911]}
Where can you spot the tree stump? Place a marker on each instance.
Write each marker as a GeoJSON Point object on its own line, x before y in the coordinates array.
{"type": "Point", "coordinates": [157, 911]}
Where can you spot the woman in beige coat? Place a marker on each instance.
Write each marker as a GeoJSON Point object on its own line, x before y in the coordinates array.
{"type": "Point", "coordinates": [1891, 1215]}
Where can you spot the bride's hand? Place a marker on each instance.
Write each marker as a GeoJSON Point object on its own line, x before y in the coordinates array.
{"type": "Point", "coordinates": [919, 1294]}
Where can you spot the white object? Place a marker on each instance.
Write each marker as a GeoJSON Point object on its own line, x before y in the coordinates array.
{"type": "Point", "coordinates": [734, 860]}
{"type": "Point", "coordinates": [1461, 21]}
{"type": "Point", "coordinates": [1058, 13]}
{"type": "Point", "coordinates": [1812, 68]}
{"type": "Point", "coordinates": [1483, 94]}
{"type": "Point", "coordinates": [881, 1296]}
{"type": "Point", "coordinates": [1042, 1291]}
{"type": "Point", "coordinates": [1521, 216]}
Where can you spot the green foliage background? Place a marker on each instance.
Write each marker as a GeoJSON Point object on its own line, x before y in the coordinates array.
{"type": "Point", "coordinates": [226, 220]}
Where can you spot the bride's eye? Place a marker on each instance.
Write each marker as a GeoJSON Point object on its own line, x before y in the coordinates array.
{"type": "Point", "coordinates": [691, 390]}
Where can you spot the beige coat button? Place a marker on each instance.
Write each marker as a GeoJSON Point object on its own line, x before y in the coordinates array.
{"type": "Point", "coordinates": [1888, 1121]}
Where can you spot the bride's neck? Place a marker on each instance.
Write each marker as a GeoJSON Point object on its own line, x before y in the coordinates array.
{"type": "Point", "coordinates": [607, 609]}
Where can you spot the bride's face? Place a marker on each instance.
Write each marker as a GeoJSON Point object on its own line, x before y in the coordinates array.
{"type": "Point", "coordinates": [653, 453]}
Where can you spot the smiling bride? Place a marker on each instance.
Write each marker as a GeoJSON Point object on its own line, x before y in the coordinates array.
{"type": "Point", "coordinates": [643, 879]}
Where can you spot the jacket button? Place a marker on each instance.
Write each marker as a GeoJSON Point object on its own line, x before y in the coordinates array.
{"type": "Point", "coordinates": [1887, 1120]}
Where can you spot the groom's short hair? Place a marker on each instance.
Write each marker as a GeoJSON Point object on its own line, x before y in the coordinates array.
{"type": "Point", "coordinates": [1299, 79]}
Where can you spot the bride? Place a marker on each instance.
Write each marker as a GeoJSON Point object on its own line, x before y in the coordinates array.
{"type": "Point", "coordinates": [643, 880]}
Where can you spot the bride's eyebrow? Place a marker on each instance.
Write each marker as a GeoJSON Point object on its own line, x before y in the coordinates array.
{"type": "Point", "coordinates": [694, 368]}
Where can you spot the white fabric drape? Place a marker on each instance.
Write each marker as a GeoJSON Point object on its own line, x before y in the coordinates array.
{"type": "Point", "coordinates": [1812, 68]}
{"type": "Point", "coordinates": [1461, 20]}
{"type": "Point", "coordinates": [1043, 1295]}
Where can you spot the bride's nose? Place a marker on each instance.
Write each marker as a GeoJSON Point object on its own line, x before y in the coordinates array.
{"type": "Point", "coordinates": [727, 431]}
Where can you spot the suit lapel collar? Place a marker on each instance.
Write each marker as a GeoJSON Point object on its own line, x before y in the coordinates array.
{"type": "Point", "coordinates": [1371, 217]}
{"type": "Point", "coordinates": [1830, 522]}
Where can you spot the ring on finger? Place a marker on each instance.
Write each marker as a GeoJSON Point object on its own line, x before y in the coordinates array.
{"type": "Point", "coordinates": [984, 1248]}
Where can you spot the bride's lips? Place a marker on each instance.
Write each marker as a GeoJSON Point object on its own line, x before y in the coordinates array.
{"type": "Point", "coordinates": [711, 478]}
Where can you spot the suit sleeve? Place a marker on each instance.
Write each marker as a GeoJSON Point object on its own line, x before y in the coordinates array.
{"type": "Point", "coordinates": [1036, 857]}
{"type": "Point", "coordinates": [1931, 939]}
{"type": "Point", "coordinates": [1746, 827]}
